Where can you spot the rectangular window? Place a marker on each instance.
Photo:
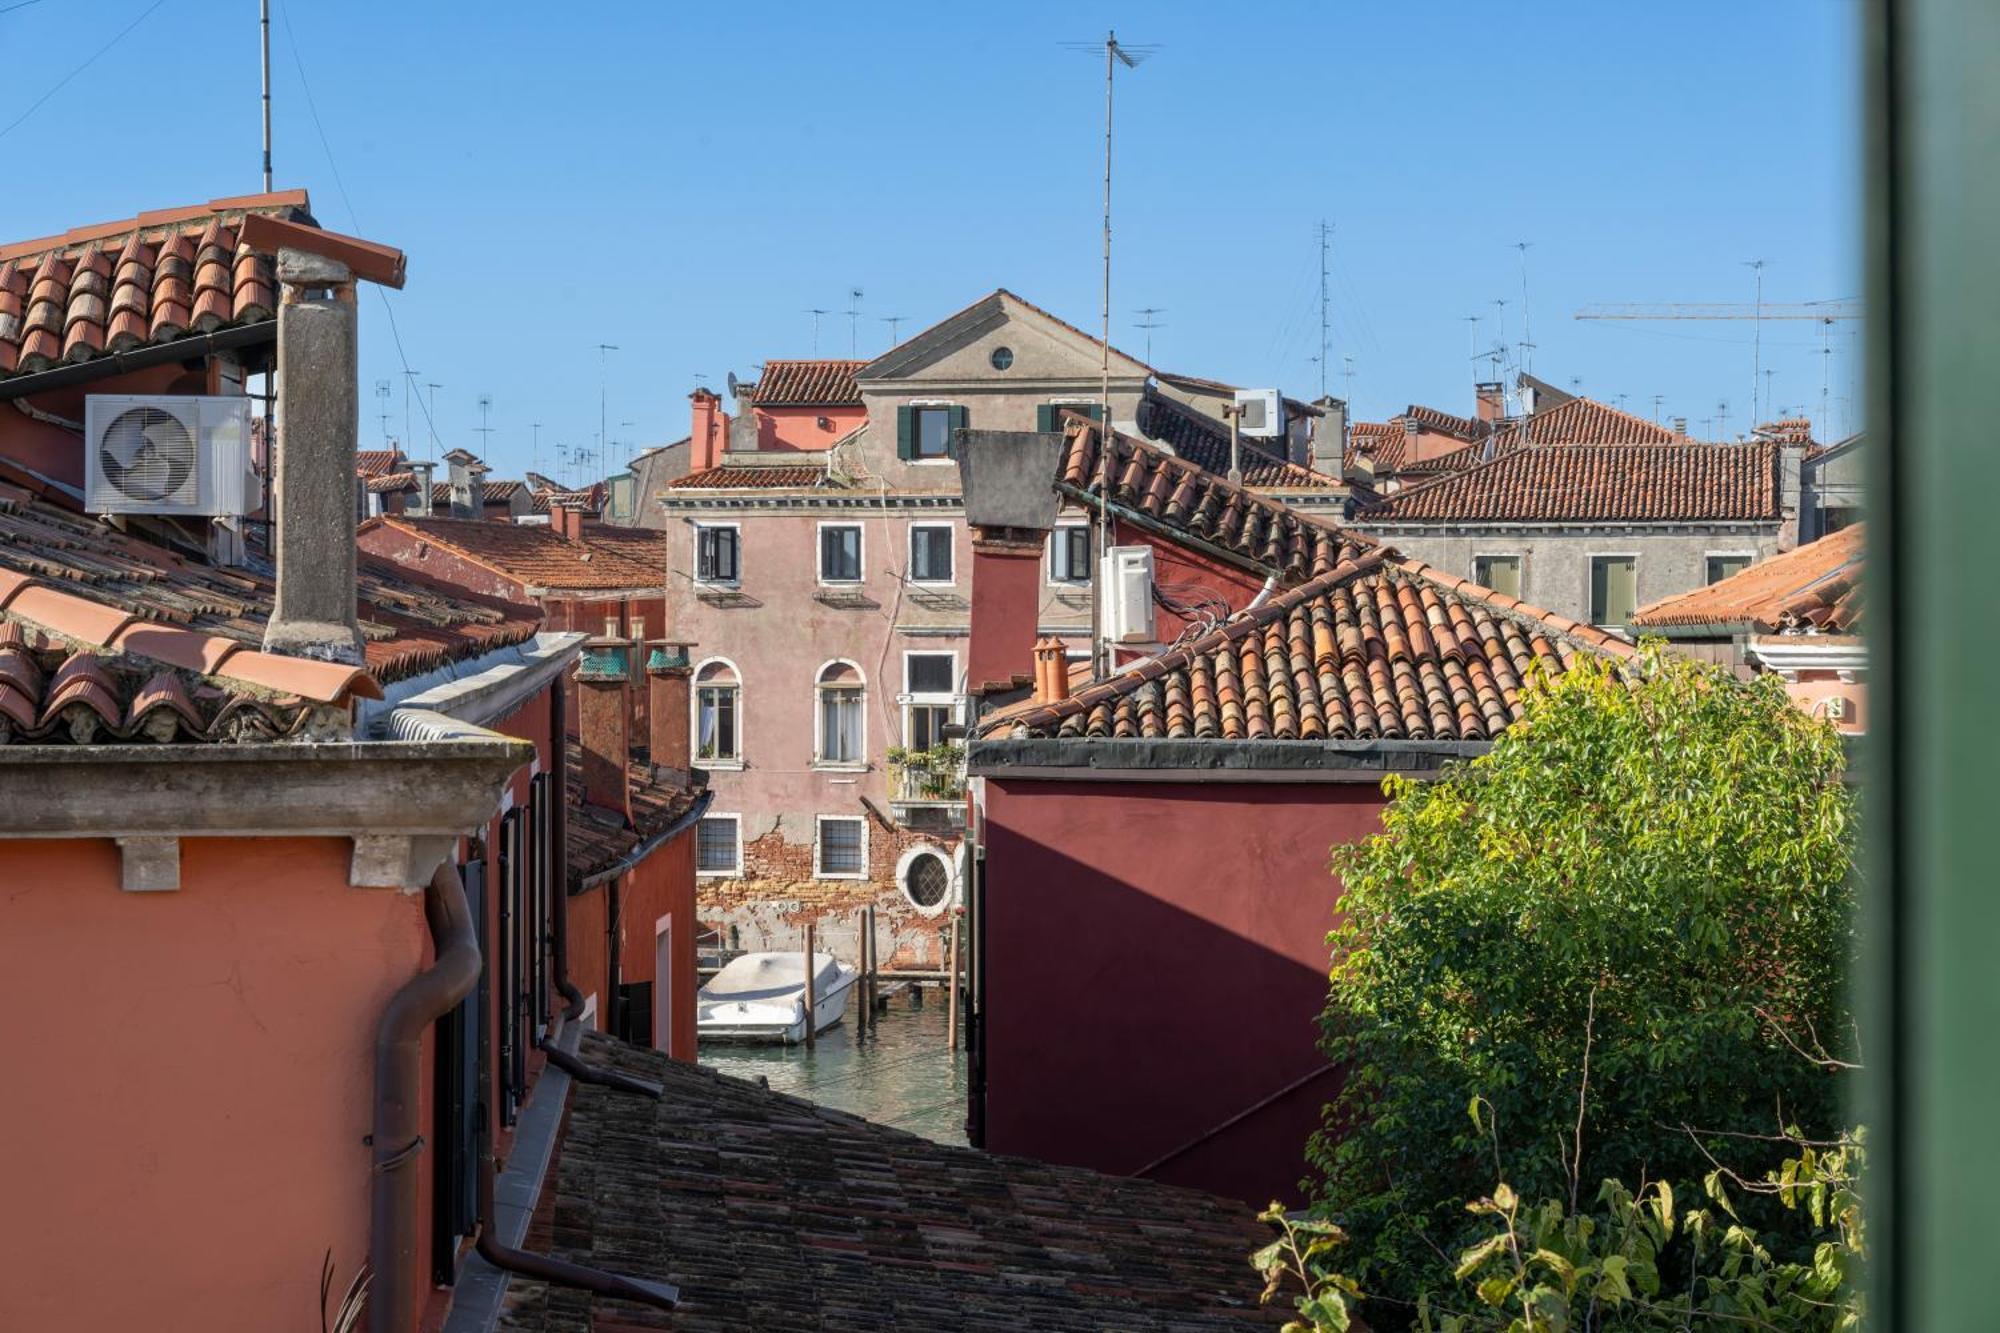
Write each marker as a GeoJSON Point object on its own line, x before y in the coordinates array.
{"type": "Point", "coordinates": [1502, 573]}
{"type": "Point", "coordinates": [929, 673]}
{"type": "Point", "coordinates": [715, 722]}
{"type": "Point", "coordinates": [1614, 589]}
{"type": "Point", "coordinates": [623, 489]}
{"type": "Point", "coordinates": [925, 728]}
{"type": "Point", "coordinates": [717, 849]}
{"type": "Point", "coordinates": [840, 553]}
{"type": "Point", "coordinates": [1721, 567]}
{"type": "Point", "coordinates": [840, 724]}
{"type": "Point", "coordinates": [933, 432]}
{"type": "Point", "coordinates": [715, 555]}
{"type": "Point", "coordinates": [1069, 554]}
{"type": "Point", "coordinates": [843, 847]}
{"type": "Point", "coordinates": [930, 553]}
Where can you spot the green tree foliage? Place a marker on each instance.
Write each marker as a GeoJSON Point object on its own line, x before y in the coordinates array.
{"type": "Point", "coordinates": [1649, 873]}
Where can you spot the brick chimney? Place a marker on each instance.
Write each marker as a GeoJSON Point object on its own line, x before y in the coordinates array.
{"type": "Point", "coordinates": [708, 431]}
{"type": "Point", "coordinates": [319, 409]}
{"type": "Point", "coordinates": [1491, 398]}
{"type": "Point", "coordinates": [668, 676]}
{"type": "Point", "coordinates": [604, 724]}
{"type": "Point", "coordinates": [567, 519]}
{"type": "Point", "coordinates": [1010, 504]}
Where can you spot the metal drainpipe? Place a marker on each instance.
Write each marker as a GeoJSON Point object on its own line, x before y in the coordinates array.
{"type": "Point", "coordinates": [399, 1079]}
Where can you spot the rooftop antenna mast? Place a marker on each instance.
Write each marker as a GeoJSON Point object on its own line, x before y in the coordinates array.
{"type": "Point", "coordinates": [1347, 374]}
{"type": "Point", "coordinates": [431, 412]}
{"type": "Point", "coordinates": [853, 320]}
{"type": "Point", "coordinates": [535, 445]}
{"type": "Point", "coordinates": [409, 382]}
{"type": "Point", "coordinates": [1472, 352]}
{"type": "Point", "coordinates": [602, 375]}
{"type": "Point", "coordinates": [892, 321]}
{"type": "Point", "coordinates": [485, 430]}
{"type": "Point", "coordinates": [1324, 233]}
{"type": "Point", "coordinates": [1757, 338]}
{"type": "Point", "coordinates": [264, 34]}
{"type": "Point", "coordinates": [382, 407]}
{"type": "Point", "coordinates": [1825, 368]}
{"type": "Point", "coordinates": [1527, 327]}
{"type": "Point", "coordinates": [1148, 323]}
{"type": "Point", "coordinates": [816, 312]}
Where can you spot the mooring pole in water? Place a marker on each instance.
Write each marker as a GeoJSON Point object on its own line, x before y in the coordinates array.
{"type": "Point", "coordinates": [870, 964]}
{"type": "Point", "coordinates": [951, 980]}
{"type": "Point", "coordinates": [811, 1033]}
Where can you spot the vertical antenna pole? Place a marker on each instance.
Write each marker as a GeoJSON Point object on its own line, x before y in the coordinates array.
{"type": "Point", "coordinates": [1322, 307]}
{"type": "Point", "coordinates": [264, 24]}
{"type": "Point", "coordinates": [1101, 648]}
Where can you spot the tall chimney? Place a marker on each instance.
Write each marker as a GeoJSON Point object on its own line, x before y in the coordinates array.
{"type": "Point", "coordinates": [603, 724]}
{"type": "Point", "coordinates": [1010, 504]}
{"type": "Point", "coordinates": [1492, 401]}
{"type": "Point", "coordinates": [468, 486]}
{"type": "Point", "coordinates": [668, 677]}
{"type": "Point", "coordinates": [708, 430]}
{"type": "Point", "coordinates": [319, 414]}
{"type": "Point", "coordinates": [1329, 437]}
{"type": "Point", "coordinates": [424, 473]}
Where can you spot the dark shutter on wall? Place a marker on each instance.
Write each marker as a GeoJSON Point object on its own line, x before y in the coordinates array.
{"type": "Point", "coordinates": [1045, 418]}
{"type": "Point", "coordinates": [906, 432]}
{"type": "Point", "coordinates": [957, 422]}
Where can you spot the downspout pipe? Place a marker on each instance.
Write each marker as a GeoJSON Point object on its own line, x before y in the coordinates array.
{"type": "Point", "coordinates": [399, 1077]}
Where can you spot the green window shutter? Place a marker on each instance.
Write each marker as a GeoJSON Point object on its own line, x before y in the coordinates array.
{"type": "Point", "coordinates": [1045, 417]}
{"type": "Point", "coordinates": [906, 432]}
{"type": "Point", "coordinates": [957, 422]}
{"type": "Point", "coordinates": [1096, 411]}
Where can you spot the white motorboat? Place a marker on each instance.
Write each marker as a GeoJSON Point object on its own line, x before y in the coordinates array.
{"type": "Point", "coordinates": [761, 997]}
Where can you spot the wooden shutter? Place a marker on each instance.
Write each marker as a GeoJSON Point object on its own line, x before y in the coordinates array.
{"type": "Point", "coordinates": [956, 421]}
{"type": "Point", "coordinates": [906, 432]}
{"type": "Point", "coordinates": [1045, 417]}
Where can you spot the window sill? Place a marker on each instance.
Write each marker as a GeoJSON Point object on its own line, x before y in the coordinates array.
{"type": "Point", "coordinates": [850, 876]}
{"type": "Point", "coordinates": [720, 765]}
{"type": "Point", "coordinates": [829, 766]}
{"type": "Point", "coordinates": [719, 874]}
{"type": "Point", "coordinates": [718, 585]}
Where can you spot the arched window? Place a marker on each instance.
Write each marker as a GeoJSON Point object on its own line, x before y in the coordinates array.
{"type": "Point", "coordinates": [837, 729]}
{"type": "Point", "coordinates": [718, 713]}
{"type": "Point", "coordinates": [926, 879]}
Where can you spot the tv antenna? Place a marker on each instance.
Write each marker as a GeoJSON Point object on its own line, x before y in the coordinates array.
{"type": "Point", "coordinates": [1324, 233]}
{"type": "Point", "coordinates": [264, 36]}
{"type": "Point", "coordinates": [409, 383]}
{"type": "Point", "coordinates": [484, 428]}
{"type": "Point", "coordinates": [1347, 374]}
{"type": "Point", "coordinates": [535, 445]}
{"type": "Point", "coordinates": [816, 312]}
{"type": "Point", "coordinates": [1757, 337]}
{"type": "Point", "coordinates": [602, 379]}
{"type": "Point", "coordinates": [892, 321]}
{"type": "Point", "coordinates": [431, 412]}
{"type": "Point", "coordinates": [1472, 352]}
{"type": "Point", "coordinates": [382, 406]}
{"type": "Point", "coordinates": [853, 320]}
{"type": "Point", "coordinates": [1825, 368]}
{"type": "Point", "coordinates": [1147, 322]}
{"type": "Point", "coordinates": [1527, 329]}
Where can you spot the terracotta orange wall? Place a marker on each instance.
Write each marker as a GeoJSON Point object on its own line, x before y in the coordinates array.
{"type": "Point", "coordinates": [191, 1080]}
{"type": "Point", "coordinates": [56, 452]}
{"type": "Point", "coordinates": [660, 888]}
{"type": "Point", "coordinates": [1813, 689]}
{"type": "Point", "coordinates": [797, 429]}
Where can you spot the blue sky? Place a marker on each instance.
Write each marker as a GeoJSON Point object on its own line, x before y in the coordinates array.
{"type": "Point", "coordinates": [686, 181]}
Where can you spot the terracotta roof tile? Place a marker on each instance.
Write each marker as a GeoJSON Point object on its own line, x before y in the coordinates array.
{"type": "Point", "coordinates": [770, 1212]}
{"type": "Point", "coordinates": [1812, 588]}
{"type": "Point", "coordinates": [1203, 442]}
{"type": "Point", "coordinates": [1629, 483]}
{"type": "Point", "coordinates": [597, 840]}
{"type": "Point", "coordinates": [808, 384]}
{"type": "Point", "coordinates": [151, 279]}
{"type": "Point", "coordinates": [777, 477]}
{"type": "Point", "coordinates": [539, 557]}
{"type": "Point", "coordinates": [378, 462]}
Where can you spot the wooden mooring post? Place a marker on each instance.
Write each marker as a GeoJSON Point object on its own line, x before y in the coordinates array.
{"type": "Point", "coordinates": [871, 965]}
{"type": "Point", "coordinates": [951, 980]}
{"type": "Point", "coordinates": [812, 1034]}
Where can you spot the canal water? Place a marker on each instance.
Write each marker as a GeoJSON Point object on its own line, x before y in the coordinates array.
{"type": "Point", "coordinates": [900, 1074]}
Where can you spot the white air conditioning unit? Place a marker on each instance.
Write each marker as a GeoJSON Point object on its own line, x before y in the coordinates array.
{"type": "Point", "coordinates": [1263, 413]}
{"type": "Point", "coordinates": [1128, 594]}
{"type": "Point", "coordinates": [166, 454]}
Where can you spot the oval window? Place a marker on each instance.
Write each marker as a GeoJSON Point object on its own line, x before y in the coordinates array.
{"type": "Point", "coordinates": [1002, 357]}
{"type": "Point", "coordinates": [927, 880]}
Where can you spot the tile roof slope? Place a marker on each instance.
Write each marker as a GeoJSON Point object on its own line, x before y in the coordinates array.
{"type": "Point", "coordinates": [1812, 588]}
{"type": "Point", "coordinates": [1446, 423]}
{"type": "Point", "coordinates": [1380, 648]}
{"type": "Point", "coordinates": [808, 384]}
{"type": "Point", "coordinates": [1625, 483]}
{"type": "Point", "coordinates": [492, 492]}
{"type": "Point", "coordinates": [1182, 497]}
{"type": "Point", "coordinates": [733, 477]}
{"type": "Point", "coordinates": [377, 462]}
{"type": "Point", "coordinates": [111, 287]}
{"type": "Point", "coordinates": [767, 1211]}
{"type": "Point", "coordinates": [538, 556]}
{"type": "Point", "coordinates": [1582, 421]}
{"type": "Point", "coordinates": [89, 583]}
{"type": "Point", "coordinates": [1203, 442]}
{"type": "Point", "coordinates": [598, 840]}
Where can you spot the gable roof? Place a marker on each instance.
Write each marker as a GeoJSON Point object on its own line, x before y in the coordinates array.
{"type": "Point", "coordinates": [1201, 441]}
{"type": "Point", "coordinates": [491, 492]}
{"type": "Point", "coordinates": [143, 281]}
{"type": "Point", "coordinates": [1815, 588]}
{"type": "Point", "coordinates": [1191, 503]}
{"type": "Point", "coordinates": [1630, 483]}
{"type": "Point", "coordinates": [1571, 420]}
{"type": "Point", "coordinates": [807, 384]}
{"type": "Point", "coordinates": [541, 559]}
{"type": "Point", "coordinates": [915, 349]}
{"type": "Point", "coordinates": [767, 1211]}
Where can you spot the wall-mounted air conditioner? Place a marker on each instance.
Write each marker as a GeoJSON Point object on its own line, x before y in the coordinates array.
{"type": "Point", "coordinates": [1263, 413]}
{"type": "Point", "coordinates": [1128, 594]}
{"type": "Point", "coordinates": [166, 454]}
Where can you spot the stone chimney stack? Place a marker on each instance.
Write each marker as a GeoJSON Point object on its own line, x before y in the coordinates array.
{"type": "Point", "coordinates": [421, 505]}
{"type": "Point", "coordinates": [603, 724]}
{"type": "Point", "coordinates": [668, 675]}
{"type": "Point", "coordinates": [468, 485]}
{"type": "Point", "coordinates": [319, 415]}
{"type": "Point", "coordinates": [1329, 438]}
{"type": "Point", "coordinates": [1010, 505]}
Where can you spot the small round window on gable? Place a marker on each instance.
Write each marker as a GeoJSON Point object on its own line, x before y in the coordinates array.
{"type": "Point", "coordinates": [1002, 357]}
{"type": "Point", "coordinates": [927, 881]}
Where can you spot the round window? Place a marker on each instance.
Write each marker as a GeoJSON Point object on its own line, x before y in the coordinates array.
{"type": "Point", "coordinates": [1002, 357]}
{"type": "Point", "coordinates": [927, 880]}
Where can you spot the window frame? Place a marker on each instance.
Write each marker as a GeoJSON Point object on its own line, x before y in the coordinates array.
{"type": "Point", "coordinates": [735, 871]}
{"type": "Point", "coordinates": [953, 873]}
{"type": "Point", "coordinates": [735, 762]}
{"type": "Point", "coordinates": [909, 699]}
{"type": "Point", "coordinates": [1749, 558]}
{"type": "Point", "coordinates": [819, 847]}
{"type": "Point", "coordinates": [736, 529]}
{"type": "Point", "coordinates": [819, 688]}
{"type": "Point", "coordinates": [1063, 526]}
{"type": "Point", "coordinates": [860, 553]}
{"type": "Point", "coordinates": [1520, 560]}
{"type": "Point", "coordinates": [1590, 588]}
{"type": "Point", "coordinates": [950, 531]}
{"type": "Point", "coordinates": [918, 406]}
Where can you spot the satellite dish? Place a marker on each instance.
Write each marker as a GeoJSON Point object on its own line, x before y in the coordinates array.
{"type": "Point", "coordinates": [732, 384]}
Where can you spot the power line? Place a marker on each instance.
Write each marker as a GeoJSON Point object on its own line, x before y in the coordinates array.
{"type": "Point", "coordinates": [92, 59]}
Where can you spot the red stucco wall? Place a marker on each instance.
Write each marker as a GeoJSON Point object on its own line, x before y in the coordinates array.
{"type": "Point", "coordinates": [798, 428]}
{"type": "Point", "coordinates": [1155, 964]}
{"type": "Point", "coordinates": [191, 1079]}
{"type": "Point", "coordinates": [1188, 577]}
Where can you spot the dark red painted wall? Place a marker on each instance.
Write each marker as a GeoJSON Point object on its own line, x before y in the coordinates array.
{"type": "Point", "coordinates": [1155, 964]}
{"type": "Point", "coordinates": [1188, 577]}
